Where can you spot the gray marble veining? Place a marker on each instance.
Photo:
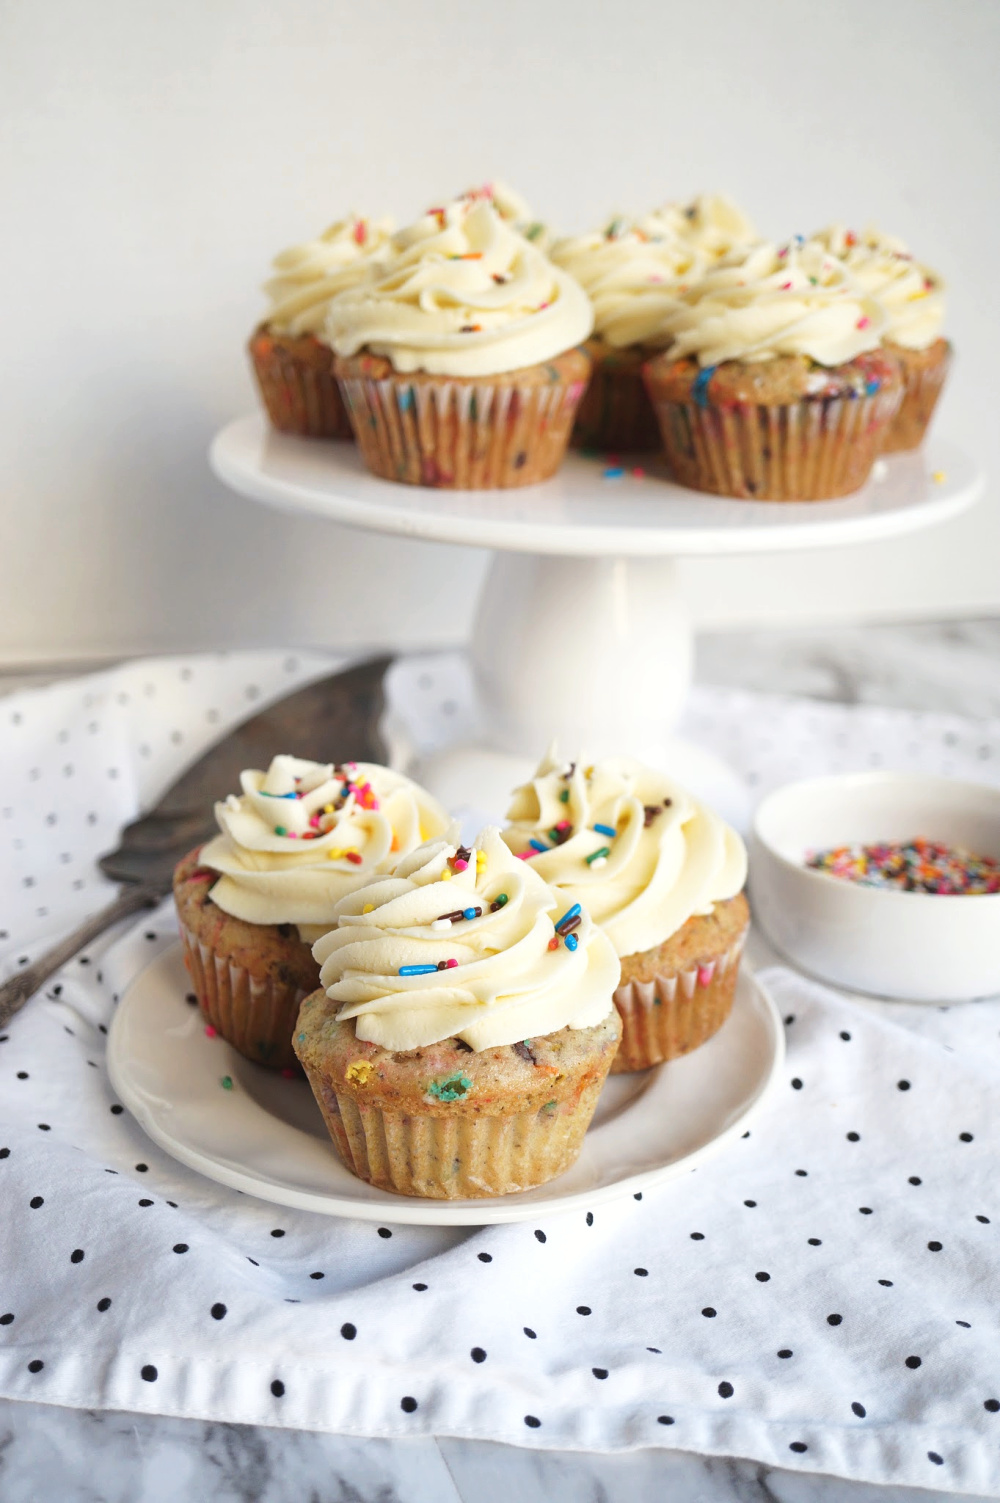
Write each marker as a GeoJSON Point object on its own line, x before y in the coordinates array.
{"type": "Point", "coordinates": [75, 1456]}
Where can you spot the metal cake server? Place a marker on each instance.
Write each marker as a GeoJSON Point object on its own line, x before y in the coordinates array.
{"type": "Point", "coordinates": [336, 719]}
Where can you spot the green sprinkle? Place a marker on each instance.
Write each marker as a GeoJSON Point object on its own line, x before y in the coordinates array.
{"type": "Point", "coordinates": [280, 830]}
{"type": "Point", "coordinates": [550, 1106]}
{"type": "Point", "coordinates": [596, 855]}
{"type": "Point", "coordinates": [533, 231]}
{"type": "Point", "coordinates": [227, 1082]}
{"type": "Point", "coordinates": [302, 1038]}
{"type": "Point", "coordinates": [564, 796]}
{"type": "Point", "coordinates": [451, 1088]}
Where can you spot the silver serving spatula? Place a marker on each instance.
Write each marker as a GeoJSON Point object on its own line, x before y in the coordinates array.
{"type": "Point", "coordinates": [333, 720]}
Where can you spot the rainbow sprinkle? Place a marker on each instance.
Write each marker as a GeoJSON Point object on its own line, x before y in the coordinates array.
{"type": "Point", "coordinates": [913, 866]}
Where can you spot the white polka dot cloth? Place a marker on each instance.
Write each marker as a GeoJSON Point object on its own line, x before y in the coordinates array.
{"type": "Point", "coordinates": [821, 1296]}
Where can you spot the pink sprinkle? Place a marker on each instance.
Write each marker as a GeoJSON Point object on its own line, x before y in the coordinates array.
{"type": "Point", "coordinates": [452, 963]}
{"type": "Point", "coordinates": [783, 252]}
{"type": "Point", "coordinates": [210, 1032]}
{"type": "Point", "coordinates": [314, 822]}
{"type": "Point", "coordinates": [863, 323]}
{"type": "Point", "coordinates": [705, 974]}
{"type": "Point", "coordinates": [288, 1073]}
{"type": "Point", "coordinates": [563, 824]}
{"type": "Point", "coordinates": [638, 473]}
{"type": "Point", "coordinates": [202, 877]}
{"type": "Point", "coordinates": [525, 855]}
{"type": "Point", "coordinates": [460, 865]}
{"type": "Point", "coordinates": [784, 286]}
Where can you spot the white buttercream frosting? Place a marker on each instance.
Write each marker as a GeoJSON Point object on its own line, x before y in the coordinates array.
{"type": "Point", "coordinates": [638, 851]}
{"type": "Point", "coordinates": [307, 276]}
{"type": "Point", "coordinates": [712, 225]}
{"type": "Point", "coordinates": [632, 271]}
{"type": "Point", "coordinates": [302, 834]}
{"type": "Point", "coordinates": [770, 300]}
{"type": "Point", "coordinates": [502, 978]}
{"type": "Point", "coordinates": [461, 293]}
{"type": "Point", "coordinates": [911, 295]}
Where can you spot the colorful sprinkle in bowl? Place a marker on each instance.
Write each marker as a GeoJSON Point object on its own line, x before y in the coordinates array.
{"type": "Point", "coordinates": [910, 946]}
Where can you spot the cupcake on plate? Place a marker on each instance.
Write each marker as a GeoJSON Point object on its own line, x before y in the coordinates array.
{"type": "Point", "coordinates": [912, 300]}
{"type": "Point", "coordinates": [252, 901]}
{"type": "Point", "coordinates": [458, 361]}
{"type": "Point", "coordinates": [633, 271]}
{"type": "Point", "coordinates": [775, 386]}
{"type": "Point", "coordinates": [663, 877]}
{"type": "Point", "coordinates": [291, 359]}
{"type": "Point", "coordinates": [465, 1027]}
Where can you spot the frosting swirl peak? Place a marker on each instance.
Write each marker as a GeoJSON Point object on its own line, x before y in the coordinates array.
{"type": "Point", "coordinates": [462, 943]}
{"type": "Point", "coordinates": [910, 294]}
{"type": "Point", "coordinates": [461, 293]}
{"type": "Point", "coordinates": [307, 276]}
{"type": "Point", "coordinates": [633, 272]}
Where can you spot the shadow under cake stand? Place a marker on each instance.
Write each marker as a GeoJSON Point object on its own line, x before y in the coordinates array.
{"type": "Point", "coordinates": [581, 632]}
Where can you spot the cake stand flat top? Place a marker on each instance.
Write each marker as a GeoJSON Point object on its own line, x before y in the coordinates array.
{"type": "Point", "coordinates": [584, 510]}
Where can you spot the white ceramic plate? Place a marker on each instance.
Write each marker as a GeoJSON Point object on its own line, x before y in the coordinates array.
{"type": "Point", "coordinates": [266, 1136]}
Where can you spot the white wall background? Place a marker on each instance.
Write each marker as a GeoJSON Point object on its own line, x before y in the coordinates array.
{"type": "Point", "coordinates": [154, 157]}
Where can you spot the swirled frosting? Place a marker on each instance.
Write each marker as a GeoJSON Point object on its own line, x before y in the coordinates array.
{"type": "Point", "coordinates": [307, 276]}
{"type": "Point", "coordinates": [513, 210]}
{"type": "Point", "coordinates": [412, 969]}
{"type": "Point", "coordinates": [632, 272]}
{"type": "Point", "coordinates": [711, 224]}
{"type": "Point", "coordinates": [910, 294]}
{"type": "Point", "coordinates": [303, 834]}
{"type": "Point", "coordinates": [462, 294]}
{"type": "Point", "coordinates": [639, 852]}
{"type": "Point", "coordinates": [769, 300]}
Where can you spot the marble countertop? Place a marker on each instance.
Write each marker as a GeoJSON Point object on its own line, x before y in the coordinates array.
{"type": "Point", "coordinates": [77, 1456]}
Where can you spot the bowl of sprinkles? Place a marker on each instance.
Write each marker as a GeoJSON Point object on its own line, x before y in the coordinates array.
{"type": "Point", "coordinates": [857, 880]}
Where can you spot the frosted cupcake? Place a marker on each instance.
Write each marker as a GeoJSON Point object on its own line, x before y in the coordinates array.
{"type": "Point", "coordinates": [775, 386]}
{"type": "Point", "coordinates": [252, 901]}
{"type": "Point", "coordinates": [466, 1026]}
{"type": "Point", "coordinates": [458, 362]}
{"type": "Point", "coordinates": [662, 876]}
{"type": "Point", "coordinates": [291, 359]}
{"type": "Point", "coordinates": [513, 210]}
{"type": "Point", "coordinates": [711, 224]}
{"type": "Point", "coordinates": [912, 300]}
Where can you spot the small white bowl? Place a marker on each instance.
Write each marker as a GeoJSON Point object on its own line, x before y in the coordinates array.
{"type": "Point", "coordinates": [919, 947]}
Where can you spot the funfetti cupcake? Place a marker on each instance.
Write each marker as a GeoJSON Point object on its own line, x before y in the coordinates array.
{"type": "Point", "coordinates": [252, 901]}
{"type": "Point", "coordinates": [291, 359]}
{"type": "Point", "coordinates": [465, 1027]}
{"type": "Point", "coordinates": [459, 363]}
{"type": "Point", "coordinates": [776, 386]}
{"type": "Point", "coordinates": [912, 300]}
{"type": "Point", "coordinates": [633, 272]}
{"type": "Point", "coordinates": [663, 877]}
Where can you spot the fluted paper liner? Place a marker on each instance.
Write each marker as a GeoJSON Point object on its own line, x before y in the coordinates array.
{"type": "Point", "coordinates": [615, 411]}
{"type": "Point", "coordinates": [471, 434]}
{"type": "Point", "coordinates": [256, 1016]}
{"type": "Point", "coordinates": [670, 1015]}
{"type": "Point", "coordinates": [803, 451]}
{"type": "Point", "coordinates": [921, 389]}
{"type": "Point", "coordinates": [297, 385]}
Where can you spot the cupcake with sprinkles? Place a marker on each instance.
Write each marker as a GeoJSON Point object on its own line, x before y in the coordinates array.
{"type": "Point", "coordinates": [712, 224]}
{"type": "Point", "coordinates": [912, 299]}
{"type": "Point", "coordinates": [465, 1026]}
{"type": "Point", "coordinates": [252, 901]}
{"type": "Point", "coordinates": [291, 359]}
{"type": "Point", "coordinates": [661, 874]}
{"type": "Point", "coordinates": [775, 386]}
{"type": "Point", "coordinates": [459, 362]}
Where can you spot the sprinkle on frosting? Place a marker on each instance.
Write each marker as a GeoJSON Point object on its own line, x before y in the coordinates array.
{"type": "Point", "coordinates": [307, 276]}
{"type": "Point", "coordinates": [910, 295]}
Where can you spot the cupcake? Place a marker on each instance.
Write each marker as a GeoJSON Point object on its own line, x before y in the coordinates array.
{"type": "Point", "coordinates": [458, 361]}
{"type": "Point", "coordinates": [775, 385]}
{"type": "Point", "coordinates": [465, 1027]}
{"type": "Point", "coordinates": [912, 300]}
{"type": "Point", "coordinates": [515, 211]}
{"type": "Point", "coordinates": [291, 360]}
{"type": "Point", "coordinates": [252, 901]}
{"type": "Point", "coordinates": [633, 272]}
{"type": "Point", "coordinates": [662, 876]}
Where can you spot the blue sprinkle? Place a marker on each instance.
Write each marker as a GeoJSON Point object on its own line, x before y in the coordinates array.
{"type": "Point", "coordinates": [416, 970]}
{"type": "Point", "coordinates": [278, 795]}
{"type": "Point", "coordinates": [871, 387]}
{"type": "Point", "coordinates": [536, 845]}
{"type": "Point", "coordinates": [613, 472]}
{"type": "Point", "coordinates": [572, 941]}
{"type": "Point", "coordinates": [405, 399]}
{"type": "Point", "coordinates": [700, 388]}
{"type": "Point", "coordinates": [570, 913]}
{"type": "Point", "coordinates": [470, 913]}
{"type": "Point", "coordinates": [606, 830]}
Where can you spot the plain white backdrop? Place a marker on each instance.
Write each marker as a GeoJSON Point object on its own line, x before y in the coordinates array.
{"type": "Point", "coordinates": [155, 157]}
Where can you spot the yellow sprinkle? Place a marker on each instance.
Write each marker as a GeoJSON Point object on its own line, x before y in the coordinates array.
{"type": "Point", "coordinates": [939, 476]}
{"type": "Point", "coordinates": [337, 855]}
{"type": "Point", "coordinates": [360, 1072]}
{"type": "Point", "coordinates": [446, 874]}
{"type": "Point", "coordinates": [328, 809]}
{"type": "Point", "coordinates": [368, 908]}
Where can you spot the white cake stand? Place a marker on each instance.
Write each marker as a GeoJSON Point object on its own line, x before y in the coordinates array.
{"type": "Point", "coordinates": [581, 632]}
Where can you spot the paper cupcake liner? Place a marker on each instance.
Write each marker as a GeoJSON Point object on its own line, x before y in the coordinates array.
{"type": "Point", "coordinates": [803, 451]}
{"type": "Point", "coordinates": [922, 387]}
{"type": "Point", "coordinates": [671, 1015]}
{"type": "Point", "coordinates": [615, 411]}
{"type": "Point", "coordinates": [256, 1016]}
{"type": "Point", "coordinates": [459, 1157]}
{"type": "Point", "coordinates": [463, 435]}
{"type": "Point", "coordinates": [297, 385]}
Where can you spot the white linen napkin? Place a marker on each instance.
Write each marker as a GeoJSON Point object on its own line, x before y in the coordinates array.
{"type": "Point", "coordinates": [821, 1296]}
